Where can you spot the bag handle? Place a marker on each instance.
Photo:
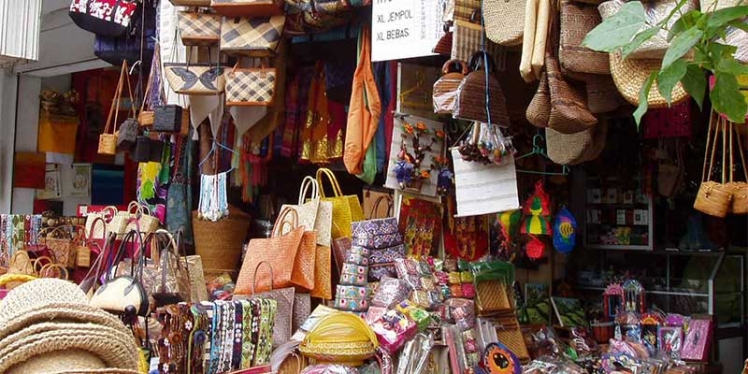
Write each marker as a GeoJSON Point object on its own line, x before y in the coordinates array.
{"type": "Point", "coordinates": [115, 100]}
{"type": "Point", "coordinates": [272, 277]}
{"type": "Point", "coordinates": [147, 94]}
{"type": "Point", "coordinates": [63, 272]}
{"type": "Point", "coordinates": [375, 207]}
{"type": "Point", "coordinates": [307, 184]}
{"type": "Point", "coordinates": [337, 192]}
{"type": "Point", "coordinates": [459, 64]}
{"type": "Point", "coordinates": [707, 176]}
{"type": "Point", "coordinates": [281, 221]}
{"type": "Point", "coordinates": [93, 226]}
{"type": "Point", "coordinates": [741, 153]}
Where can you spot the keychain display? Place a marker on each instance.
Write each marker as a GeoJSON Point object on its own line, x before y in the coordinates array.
{"type": "Point", "coordinates": [213, 204]}
{"type": "Point", "coordinates": [487, 145]}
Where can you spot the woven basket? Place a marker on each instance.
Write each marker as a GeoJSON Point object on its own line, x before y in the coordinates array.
{"type": "Point", "coordinates": [602, 95]}
{"type": "Point", "coordinates": [630, 75]}
{"type": "Point", "coordinates": [576, 21]}
{"type": "Point", "coordinates": [445, 88]}
{"type": "Point", "coordinates": [219, 244]}
{"type": "Point", "coordinates": [505, 21]}
{"type": "Point", "coordinates": [146, 118]}
{"type": "Point", "coordinates": [471, 99]}
{"type": "Point", "coordinates": [714, 198]}
{"type": "Point", "coordinates": [511, 337]}
{"type": "Point", "coordinates": [539, 110]}
{"type": "Point", "coordinates": [444, 45]}
{"type": "Point", "coordinates": [107, 144]}
{"type": "Point", "coordinates": [568, 149]}
{"type": "Point", "coordinates": [491, 297]}
{"type": "Point", "coordinates": [569, 111]}
{"type": "Point", "coordinates": [739, 189]}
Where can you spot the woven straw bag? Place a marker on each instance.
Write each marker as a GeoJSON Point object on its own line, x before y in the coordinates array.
{"type": "Point", "coordinates": [250, 86]}
{"type": "Point", "coordinates": [538, 112]}
{"type": "Point", "coordinates": [655, 12]}
{"type": "Point", "coordinates": [346, 209]}
{"type": "Point", "coordinates": [467, 39]}
{"type": "Point", "coordinates": [195, 79]}
{"type": "Point", "coordinates": [714, 198]}
{"type": "Point", "coordinates": [569, 111]}
{"type": "Point", "coordinates": [602, 95]}
{"type": "Point", "coordinates": [504, 20]}
{"type": "Point", "coordinates": [252, 37]}
{"type": "Point", "coordinates": [107, 140]}
{"type": "Point", "coordinates": [739, 189]}
{"type": "Point", "coordinates": [323, 273]}
{"type": "Point", "coordinates": [568, 149]}
{"type": "Point", "coordinates": [630, 75]}
{"type": "Point", "coordinates": [445, 88]}
{"type": "Point", "coordinates": [491, 297]}
{"type": "Point", "coordinates": [444, 45]}
{"type": "Point", "coordinates": [478, 102]}
{"type": "Point", "coordinates": [199, 28]}
{"type": "Point", "coordinates": [342, 338]}
{"type": "Point", "coordinates": [576, 21]}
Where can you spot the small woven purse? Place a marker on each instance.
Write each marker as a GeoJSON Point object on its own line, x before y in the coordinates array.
{"type": "Point", "coordinates": [445, 88]}
{"type": "Point", "coordinates": [478, 102]}
{"type": "Point", "coordinates": [714, 198]}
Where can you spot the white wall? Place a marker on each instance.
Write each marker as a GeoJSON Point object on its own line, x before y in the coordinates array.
{"type": "Point", "coordinates": [8, 83]}
{"type": "Point", "coordinates": [27, 129]}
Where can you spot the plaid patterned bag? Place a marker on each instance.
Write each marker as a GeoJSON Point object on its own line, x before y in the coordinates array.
{"type": "Point", "coordinates": [252, 37]}
{"type": "Point", "coordinates": [198, 28]}
{"type": "Point", "coordinates": [250, 86]}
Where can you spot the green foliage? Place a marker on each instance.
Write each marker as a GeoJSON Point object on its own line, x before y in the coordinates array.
{"type": "Point", "coordinates": [696, 47]}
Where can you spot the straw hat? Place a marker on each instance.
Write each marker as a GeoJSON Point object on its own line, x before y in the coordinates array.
{"type": "Point", "coordinates": [630, 75]}
{"type": "Point", "coordinates": [38, 293]}
{"type": "Point", "coordinates": [84, 329]}
{"type": "Point", "coordinates": [504, 21]}
{"type": "Point", "coordinates": [58, 361]}
{"type": "Point", "coordinates": [62, 312]}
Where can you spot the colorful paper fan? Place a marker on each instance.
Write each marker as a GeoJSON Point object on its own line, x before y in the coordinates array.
{"type": "Point", "coordinates": [498, 359]}
{"type": "Point", "coordinates": [564, 231]}
{"type": "Point", "coordinates": [535, 248]}
{"type": "Point", "coordinates": [509, 225]}
{"type": "Point", "coordinates": [537, 212]}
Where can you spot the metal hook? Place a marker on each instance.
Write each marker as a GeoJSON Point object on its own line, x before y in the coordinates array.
{"type": "Point", "coordinates": [132, 68]}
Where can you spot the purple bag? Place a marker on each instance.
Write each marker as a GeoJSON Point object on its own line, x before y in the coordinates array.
{"type": "Point", "coordinates": [115, 49]}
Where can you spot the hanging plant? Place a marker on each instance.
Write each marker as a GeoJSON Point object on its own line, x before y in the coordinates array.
{"type": "Point", "coordinates": [696, 47]}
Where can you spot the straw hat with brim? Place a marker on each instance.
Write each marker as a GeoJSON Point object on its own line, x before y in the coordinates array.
{"type": "Point", "coordinates": [111, 351]}
{"type": "Point", "coordinates": [38, 293]}
{"type": "Point", "coordinates": [630, 75]}
{"type": "Point", "coordinates": [71, 361]}
{"type": "Point", "coordinates": [61, 312]}
{"type": "Point", "coordinates": [83, 329]}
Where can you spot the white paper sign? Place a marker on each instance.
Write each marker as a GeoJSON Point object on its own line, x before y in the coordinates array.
{"type": "Point", "coordinates": [484, 189]}
{"type": "Point", "coordinates": [403, 29]}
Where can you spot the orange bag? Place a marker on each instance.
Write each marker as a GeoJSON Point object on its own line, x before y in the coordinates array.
{"type": "Point", "coordinates": [57, 133]}
{"type": "Point", "coordinates": [276, 250]}
{"type": "Point", "coordinates": [363, 119]}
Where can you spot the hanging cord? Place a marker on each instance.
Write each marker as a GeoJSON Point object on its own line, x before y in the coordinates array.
{"type": "Point", "coordinates": [485, 63]}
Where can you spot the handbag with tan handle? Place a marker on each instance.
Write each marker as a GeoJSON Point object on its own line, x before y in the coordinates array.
{"type": "Point", "coordinates": [253, 86]}
{"type": "Point", "coordinates": [739, 189]}
{"type": "Point", "coordinates": [445, 88]}
{"type": "Point", "coordinates": [107, 139]}
{"type": "Point", "coordinates": [714, 198]}
{"type": "Point", "coordinates": [199, 28]}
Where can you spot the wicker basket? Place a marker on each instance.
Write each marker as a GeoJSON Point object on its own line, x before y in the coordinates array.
{"type": "Point", "coordinates": [107, 144]}
{"type": "Point", "coordinates": [146, 118]}
{"type": "Point", "coordinates": [569, 111]}
{"type": "Point", "coordinates": [568, 149]}
{"type": "Point", "coordinates": [219, 244]}
{"type": "Point", "coordinates": [630, 75]}
{"type": "Point", "coordinates": [471, 99]}
{"type": "Point", "coordinates": [714, 198]}
{"type": "Point", "coordinates": [505, 21]}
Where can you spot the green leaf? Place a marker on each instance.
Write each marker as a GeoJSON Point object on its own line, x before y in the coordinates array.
{"type": "Point", "coordinates": [638, 40]}
{"type": "Point", "coordinates": [731, 66]}
{"type": "Point", "coordinates": [684, 23]}
{"type": "Point", "coordinates": [680, 45]}
{"type": "Point", "coordinates": [694, 82]}
{"type": "Point", "coordinates": [643, 96]}
{"type": "Point", "coordinates": [724, 16]}
{"type": "Point", "coordinates": [727, 99]}
{"type": "Point", "coordinates": [669, 77]}
{"type": "Point", "coordinates": [740, 24]}
{"type": "Point", "coordinates": [618, 30]}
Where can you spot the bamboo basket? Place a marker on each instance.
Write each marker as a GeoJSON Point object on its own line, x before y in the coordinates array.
{"type": "Point", "coordinates": [219, 244]}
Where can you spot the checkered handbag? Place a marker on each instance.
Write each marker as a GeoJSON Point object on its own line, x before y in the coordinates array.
{"type": "Point", "coordinates": [252, 37]}
{"type": "Point", "coordinates": [250, 87]}
{"type": "Point", "coordinates": [198, 28]}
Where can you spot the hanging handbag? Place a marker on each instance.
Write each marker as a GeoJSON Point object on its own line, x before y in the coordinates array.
{"type": "Point", "coordinates": [714, 198]}
{"type": "Point", "coordinates": [138, 217]}
{"type": "Point", "coordinates": [173, 283]}
{"type": "Point", "coordinates": [504, 20]}
{"type": "Point", "coordinates": [278, 250]}
{"type": "Point", "coordinates": [199, 28]}
{"type": "Point", "coordinates": [107, 140]}
{"type": "Point", "coordinates": [103, 17]}
{"type": "Point", "coordinates": [477, 102]}
{"type": "Point", "coordinates": [142, 150]}
{"type": "Point", "coordinates": [538, 112]}
{"type": "Point", "coordinates": [248, 8]}
{"type": "Point", "coordinates": [140, 35]}
{"type": "Point", "coordinates": [576, 21]}
{"type": "Point", "coordinates": [128, 130]}
{"type": "Point", "coordinates": [118, 294]}
{"type": "Point", "coordinates": [345, 208]}
{"type": "Point", "coordinates": [167, 118]}
{"type": "Point", "coordinates": [195, 79]}
{"type": "Point", "coordinates": [253, 36]}
{"type": "Point", "coordinates": [569, 111]}
{"type": "Point", "coordinates": [739, 189]}
{"type": "Point", "coordinates": [62, 246]}
{"type": "Point", "coordinates": [314, 215]}
{"type": "Point", "coordinates": [445, 88]}
{"type": "Point", "coordinates": [250, 86]}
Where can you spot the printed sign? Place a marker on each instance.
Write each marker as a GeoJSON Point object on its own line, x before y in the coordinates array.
{"type": "Point", "coordinates": [405, 28]}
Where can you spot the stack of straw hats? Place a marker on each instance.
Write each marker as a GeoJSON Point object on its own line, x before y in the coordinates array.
{"type": "Point", "coordinates": [47, 327]}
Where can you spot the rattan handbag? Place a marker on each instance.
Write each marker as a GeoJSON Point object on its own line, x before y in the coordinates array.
{"type": "Point", "coordinates": [445, 88]}
{"type": "Point", "coordinates": [478, 102]}
{"type": "Point", "coordinates": [568, 149]}
{"type": "Point", "coordinates": [538, 112]}
{"type": "Point", "coordinates": [250, 86]}
{"type": "Point", "coordinates": [576, 21]}
{"type": "Point", "coordinates": [504, 20]}
{"type": "Point", "coordinates": [252, 37]}
{"type": "Point", "coordinates": [62, 246]}
{"type": "Point", "coordinates": [278, 250]}
{"type": "Point", "coordinates": [569, 112]}
{"type": "Point", "coordinates": [714, 198]}
{"type": "Point", "coordinates": [195, 79]}
{"type": "Point", "coordinates": [107, 140]}
{"type": "Point", "coordinates": [199, 28]}
{"type": "Point", "coordinates": [346, 209]}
